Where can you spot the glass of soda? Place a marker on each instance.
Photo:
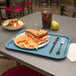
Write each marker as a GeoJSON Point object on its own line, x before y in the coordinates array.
{"type": "Point", "coordinates": [46, 17]}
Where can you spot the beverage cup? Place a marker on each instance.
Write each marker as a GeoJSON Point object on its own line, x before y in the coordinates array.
{"type": "Point", "coordinates": [46, 17]}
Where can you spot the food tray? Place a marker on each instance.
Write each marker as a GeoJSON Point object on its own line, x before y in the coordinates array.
{"type": "Point", "coordinates": [44, 51]}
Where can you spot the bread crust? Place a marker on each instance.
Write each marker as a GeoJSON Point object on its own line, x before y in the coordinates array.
{"type": "Point", "coordinates": [32, 31]}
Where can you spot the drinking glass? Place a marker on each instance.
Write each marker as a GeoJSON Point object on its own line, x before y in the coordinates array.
{"type": "Point", "coordinates": [46, 17]}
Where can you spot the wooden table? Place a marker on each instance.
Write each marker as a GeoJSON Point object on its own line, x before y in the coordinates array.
{"type": "Point", "coordinates": [44, 65]}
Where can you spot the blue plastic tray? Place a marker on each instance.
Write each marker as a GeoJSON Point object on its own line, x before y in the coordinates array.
{"type": "Point", "coordinates": [44, 51]}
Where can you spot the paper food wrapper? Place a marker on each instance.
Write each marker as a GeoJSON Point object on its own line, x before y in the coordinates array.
{"type": "Point", "coordinates": [72, 52]}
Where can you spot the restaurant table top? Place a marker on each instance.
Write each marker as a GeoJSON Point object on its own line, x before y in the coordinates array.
{"type": "Point", "coordinates": [44, 65]}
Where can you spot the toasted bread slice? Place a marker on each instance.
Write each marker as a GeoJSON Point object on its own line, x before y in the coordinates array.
{"type": "Point", "coordinates": [42, 33]}
{"type": "Point", "coordinates": [32, 31]}
{"type": "Point", "coordinates": [37, 33]}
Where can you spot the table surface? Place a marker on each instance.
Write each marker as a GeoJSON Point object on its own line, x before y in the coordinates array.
{"type": "Point", "coordinates": [47, 66]}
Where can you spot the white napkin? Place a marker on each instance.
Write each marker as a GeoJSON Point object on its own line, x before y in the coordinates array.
{"type": "Point", "coordinates": [72, 52]}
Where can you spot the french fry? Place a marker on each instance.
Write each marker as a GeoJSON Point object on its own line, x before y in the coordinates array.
{"type": "Point", "coordinates": [25, 41]}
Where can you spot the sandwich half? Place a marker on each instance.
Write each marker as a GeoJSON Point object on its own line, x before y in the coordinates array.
{"type": "Point", "coordinates": [39, 36]}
